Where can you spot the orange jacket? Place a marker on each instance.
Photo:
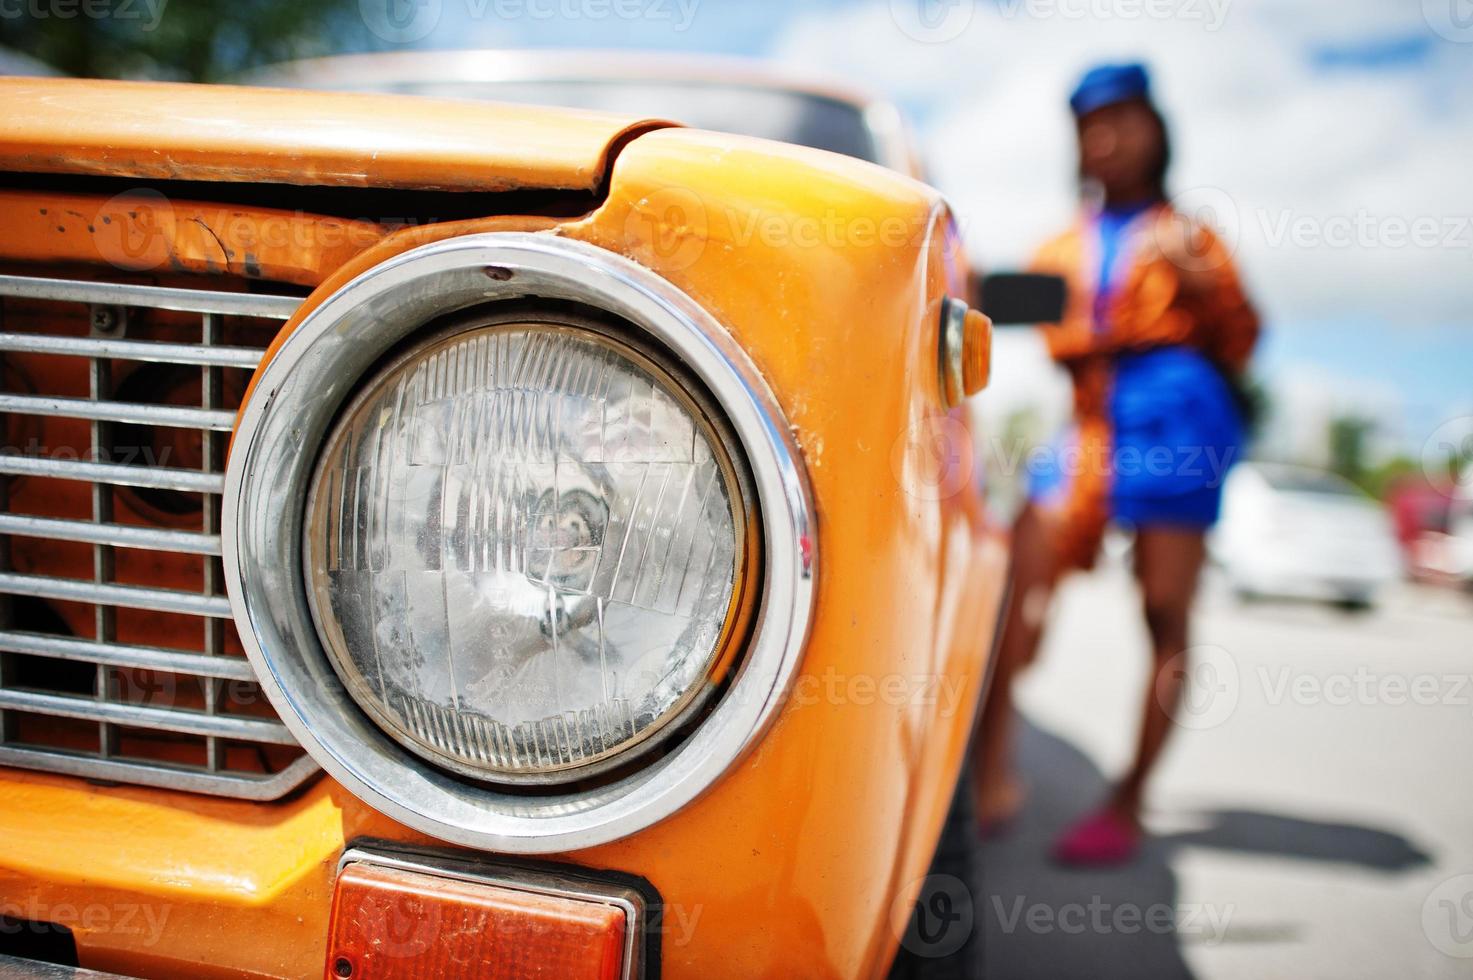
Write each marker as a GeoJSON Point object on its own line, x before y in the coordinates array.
{"type": "Point", "coordinates": [1192, 298]}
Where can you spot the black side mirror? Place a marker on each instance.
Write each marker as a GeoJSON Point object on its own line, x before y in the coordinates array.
{"type": "Point", "coordinates": [1018, 298]}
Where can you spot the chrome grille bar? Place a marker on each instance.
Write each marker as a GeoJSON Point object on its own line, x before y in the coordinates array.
{"type": "Point", "coordinates": [105, 594]}
{"type": "Point", "coordinates": [244, 755]}
{"type": "Point", "coordinates": [242, 785]}
{"type": "Point", "coordinates": [104, 618]}
{"type": "Point", "coordinates": [157, 297]}
{"type": "Point", "coordinates": [212, 457]}
{"type": "Point", "coordinates": [7, 663]}
{"type": "Point", "coordinates": [146, 716]}
{"type": "Point", "coordinates": [177, 416]}
{"type": "Point", "coordinates": [117, 535]}
{"type": "Point", "coordinates": [125, 655]}
{"type": "Point", "coordinates": [132, 350]}
{"type": "Point", "coordinates": [154, 477]}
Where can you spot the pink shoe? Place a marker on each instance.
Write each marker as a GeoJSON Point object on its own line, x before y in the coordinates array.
{"type": "Point", "coordinates": [1099, 840]}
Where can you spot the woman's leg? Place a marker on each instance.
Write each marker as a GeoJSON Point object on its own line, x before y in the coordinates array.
{"type": "Point", "coordinates": [1168, 562]}
{"type": "Point", "coordinates": [1034, 573]}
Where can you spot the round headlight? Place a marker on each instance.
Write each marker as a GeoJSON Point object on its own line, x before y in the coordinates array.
{"type": "Point", "coordinates": [523, 545]}
{"type": "Point", "coordinates": [509, 508]}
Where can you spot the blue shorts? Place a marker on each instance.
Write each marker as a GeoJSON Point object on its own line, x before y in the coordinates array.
{"type": "Point", "coordinates": [1176, 432]}
{"type": "Point", "coordinates": [1197, 509]}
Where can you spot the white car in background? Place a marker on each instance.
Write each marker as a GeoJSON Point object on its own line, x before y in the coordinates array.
{"type": "Point", "coordinates": [1460, 528]}
{"type": "Point", "coordinates": [1298, 532]}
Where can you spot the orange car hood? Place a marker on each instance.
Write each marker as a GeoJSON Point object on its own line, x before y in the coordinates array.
{"type": "Point", "coordinates": [166, 131]}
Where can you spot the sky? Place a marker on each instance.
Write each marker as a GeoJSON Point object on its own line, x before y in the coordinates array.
{"type": "Point", "coordinates": [1329, 140]}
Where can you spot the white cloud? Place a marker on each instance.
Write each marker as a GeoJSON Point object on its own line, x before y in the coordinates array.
{"type": "Point", "coordinates": [1322, 153]}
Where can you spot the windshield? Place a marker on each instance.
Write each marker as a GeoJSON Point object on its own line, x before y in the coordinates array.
{"type": "Point", "coordinates": [776, 114]}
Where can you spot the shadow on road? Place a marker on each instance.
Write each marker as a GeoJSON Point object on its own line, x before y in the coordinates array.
{"type": "Point", "coordinates": [1313, 840]}
{"type": "Point", "coordinates": [1041, 920]}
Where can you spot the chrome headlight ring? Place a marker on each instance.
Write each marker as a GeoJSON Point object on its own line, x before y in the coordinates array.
{"type": "Point", "coordinates": [297, 398]}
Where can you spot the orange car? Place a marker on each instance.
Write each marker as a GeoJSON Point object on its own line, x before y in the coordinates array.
{"type": "Point", "coordinates": [451, 538]}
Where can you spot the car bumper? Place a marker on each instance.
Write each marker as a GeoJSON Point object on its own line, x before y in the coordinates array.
{"type": "Point", "coordinates": [1313, 581]}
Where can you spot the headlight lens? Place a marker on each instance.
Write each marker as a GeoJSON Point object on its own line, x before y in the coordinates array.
{"type": "Point", "coordinates": [524, 549]}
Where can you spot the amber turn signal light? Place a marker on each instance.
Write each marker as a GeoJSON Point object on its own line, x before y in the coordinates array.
{"type": "Point", "coordinates": [389, 922]}
{"type": "Point", "coordinates": [965, 351]}
{"type": "Point", "coordinates": [976, 352]}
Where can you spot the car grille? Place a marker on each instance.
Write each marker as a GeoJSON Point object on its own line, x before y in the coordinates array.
{"type": "Point", "coordinates": [118, 657]}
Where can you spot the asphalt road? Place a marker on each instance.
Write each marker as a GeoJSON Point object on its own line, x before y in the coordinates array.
{"type": "Point", "coordinates": [1312, 817]}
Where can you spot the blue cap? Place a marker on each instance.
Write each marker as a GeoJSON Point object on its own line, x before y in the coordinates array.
{"type": "Point", "coordinates": [1110, 84]}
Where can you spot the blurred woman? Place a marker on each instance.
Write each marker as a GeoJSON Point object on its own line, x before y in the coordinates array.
{"type": "Point", "coordinates": [1155, 336]}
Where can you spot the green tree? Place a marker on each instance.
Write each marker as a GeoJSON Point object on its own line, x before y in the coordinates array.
{"type": "Point", "coordinates": [1257, 405]}
{"type": "Point", "coordinates": [180, 40]}
{"type": "Point", "coordinates": [1348, 435]}
{"type": "Point", "coordinates": [1380, 480]}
